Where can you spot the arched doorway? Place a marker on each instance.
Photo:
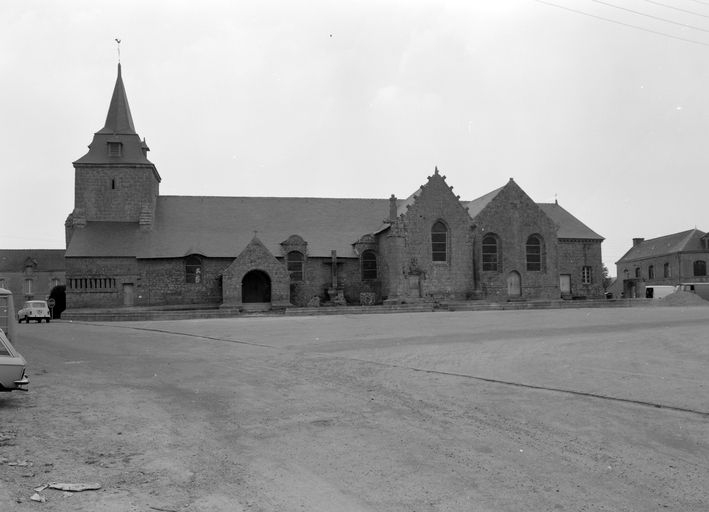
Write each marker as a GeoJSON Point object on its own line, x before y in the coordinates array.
{"type": "Point", "coordinates": [256, 291]}
{"type": "Point", "coordinates": [514, 284]}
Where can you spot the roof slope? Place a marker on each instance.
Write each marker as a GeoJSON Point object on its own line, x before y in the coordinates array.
{"type": "Point", "coordinates": [13, 260]}
{"type": "Point", "coordinates": [118, 128]}
{"type": "Point", "coordinates": [569, 226]}
{"type": "Point", "coordinates": [690, 240]}
{"type": "Point", "coordinates": [477, 205]}
{"type": "Point", "coordinates": [221, 227]}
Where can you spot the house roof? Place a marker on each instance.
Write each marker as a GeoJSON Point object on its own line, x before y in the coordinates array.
{"type": "Point", "coordinates": [223, 226]}
{"type": "Point", "coordinates": [569, 226]}
{"type": "Point", "coordinates": [13, 260]}
{"type": "Point", "coordinates": [690, 240]}
{"type": "Point", "coordinates": [477, 205]}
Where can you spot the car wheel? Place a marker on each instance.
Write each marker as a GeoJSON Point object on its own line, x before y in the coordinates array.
{"type": "Point", "coordinates": [47, 319]}
{"type": "Point", "coordinates": [39, 320]}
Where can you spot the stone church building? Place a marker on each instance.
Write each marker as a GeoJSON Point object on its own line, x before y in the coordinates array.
{"type": "Point", "coordinates": [127, 245]}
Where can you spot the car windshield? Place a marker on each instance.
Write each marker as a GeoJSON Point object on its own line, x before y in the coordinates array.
{"type": "Point", "coordinates": [4, 351]}
{"type": "Point", "coordinates": [38, 305]}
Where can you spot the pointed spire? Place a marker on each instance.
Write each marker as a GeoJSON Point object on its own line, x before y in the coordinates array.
{"type": "Point", "coordinates": [119, 119]}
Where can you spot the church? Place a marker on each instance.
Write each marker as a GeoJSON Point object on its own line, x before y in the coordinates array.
{"type": "Point", "coordinates": [127, 245]}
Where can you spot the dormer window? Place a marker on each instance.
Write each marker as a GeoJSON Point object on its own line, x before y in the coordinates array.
{"type": "Point", "coordinates": [114, 148]}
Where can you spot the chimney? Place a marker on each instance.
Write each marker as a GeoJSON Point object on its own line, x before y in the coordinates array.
{"type": "Point", "coordinates": [392, 207]}
{"type": "Point", "coordinates": [637, 241]}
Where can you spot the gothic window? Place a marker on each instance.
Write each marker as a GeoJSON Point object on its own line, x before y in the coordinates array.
{"type": "Point", "coordinates": [586, 275]}
{"type": "Point", "coordinates": [193, 270]}
{"type": "Point", "coordinates": [700, 268]}
{"type": "Point", "coordinates": [439, 242]}
{"type": "Point", "coordinates": [666, 270]}
{"type": "Point", "coordinates": [638, 272]}
{"type": "Point", "coordinates": [295, 265]}
{"type": "Point", "coordinates": [491, 254]}
{"type": "Point", "coordinates": [534, 254]}
{"type": "Point", "coordinates": [651, 272]}
{"type": "Point", "coordinates": [369, 266]}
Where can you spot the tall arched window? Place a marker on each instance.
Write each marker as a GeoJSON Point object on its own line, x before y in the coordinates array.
{"type": "Point", "coordinates": [369, 266]}
{"type": "Point", "coordinates": [491, 254]}
{"type": "Point", "coordinates": [295, 265]}
{"type": "Point", "coordinates": [534, 254]}
{"type": "Point", "coordinates": [638, 274]}
{"type": "Point", "coordinates": [193, 269]}
{"type": "Point", "coordinates": [700, 268]}
{"type": "Point", "coordinates": [439, 242]}
{"type": "Point", "coordinates": [651, 272]}
{"type": "Point", "coordinates": [626, 273]}
{"type": "Point", "coordinates": [666, 270]}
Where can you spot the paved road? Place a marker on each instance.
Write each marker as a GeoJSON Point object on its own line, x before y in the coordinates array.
{"type": "Point", "coordinates": [494, 411]}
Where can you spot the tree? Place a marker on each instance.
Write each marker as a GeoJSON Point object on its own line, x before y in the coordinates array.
{"type": "Point", "coordinates": [607, 280]}
{"type": "Point", "coordinates": [58, 293]}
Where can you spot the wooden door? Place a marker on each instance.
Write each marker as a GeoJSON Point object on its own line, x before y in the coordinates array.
{"type": "Point", "coordinates": [565, 283]}
{"type": "Point", "coordinates": [128, 294]}
{"type": "Point", "coordinates": [514, 285]}
{"type": "Point", "coordinates": [415, 286]}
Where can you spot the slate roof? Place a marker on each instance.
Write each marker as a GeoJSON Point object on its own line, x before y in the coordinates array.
{"type": "Point", "coordinates": [118, 128]}
{"type": "Point", "coordinates": [690, 240]}
{"type": "Point", "coordinates": [221, 227]}
{"type": "Point", "coordinates": [13, 260]}
{"type": "Point", "coordinates": [569, 226]}
{"type": "Point", "coordinates": [477, 205]}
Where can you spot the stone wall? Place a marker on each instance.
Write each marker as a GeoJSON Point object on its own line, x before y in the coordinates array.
{"type": "Point", "coordinates": [121, 270]}
{"type": "Point", "coordinates": [681, 268]}
{"type": "Point", "coordinates": [135, 186]}
{"type": "Point", "coordinates": [512, 216]}
{"type": "Point", "coordinates": [450, 279]}
{"type": "Point", "coordinates": [576, 254]}
{"type": "Point", "coordinates": [163, 282]}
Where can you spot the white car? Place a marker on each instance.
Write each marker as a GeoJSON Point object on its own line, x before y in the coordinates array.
{"type": "Point", "coordinates": [12, 367]}
{"type": "Point", "coordinates": [34, 310]}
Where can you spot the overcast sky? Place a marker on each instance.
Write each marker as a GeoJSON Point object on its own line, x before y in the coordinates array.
{"type": "Point", "coordinates": [363, 99]}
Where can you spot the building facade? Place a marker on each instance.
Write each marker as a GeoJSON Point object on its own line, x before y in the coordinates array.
{"type": "Point", "coordinates": [667, 260]}
{"type": "Point", "coordinates": [31, 273]}
{"type": "Point", "coordinates": [129, 246]}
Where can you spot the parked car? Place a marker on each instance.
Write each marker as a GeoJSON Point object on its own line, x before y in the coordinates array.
{"type": "Point", "coordinates": [12, 367]}
{"type": "Point", "coordinates": [34, 310]}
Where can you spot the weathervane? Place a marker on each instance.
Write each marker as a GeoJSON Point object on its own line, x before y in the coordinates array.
{"type": "Point", "coordinates": [119, 50]}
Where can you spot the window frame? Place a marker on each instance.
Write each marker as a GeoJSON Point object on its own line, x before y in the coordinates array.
{"type": "Point", "coordinates": [651, 272]}
{"type": "Point", "coordinates": [193, 269]}
{"type": "Point", "coordinates": [586, 274]}
{"type": "Point", "coordinates": [115, 149]}
{"type": "Point", "coordinates": [369, 266]}
{"type": "Point", "coordinates": [440, 238]}
{"type": "Point", "coordinates": [536, 252]}
{"type": "Point", "coordinates": [489, 265]}
{"type": "Point", "coordinates": [295, 267]}
{"type": "Point", "coordinates": [666, 270]}
{"type": "Point", "coordinates": [699, 268]}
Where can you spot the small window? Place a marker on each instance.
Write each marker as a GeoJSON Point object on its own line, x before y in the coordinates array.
{"type": "Point", "coordinates": [491, 259]}
{"type": "Point", "coordinates": [638, 272]}
{"type": "Point", "coordinates": [586, 275]}
{"type": "Point", "coordinates": [439, 242]}
{"type": "Point", "coordinates": [193, 270]}
{"type": "Point", "coordinates": [534, 254]}
{"type": "Point", "coordinates": [2, 283]}
{"type": "Point", "coordinates": [29, 287]}
{"type": "Point", "coordinates": [55, 282]}
{"type": "Point", "coordinates": [700, 268]}
{"type": "Point", "coordinates": [369, 266]}
{"type": "Point", "coordinates": [666, 270]}
{"type": "Point", "coordinates": [651, 272]}
{"type": "Point", "coordinates": [295, 265]}
{"type": "Point", "coordinates": [114, 149]}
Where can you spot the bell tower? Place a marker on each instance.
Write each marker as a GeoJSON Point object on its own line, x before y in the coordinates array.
{"type": "Point", "coordinates": [115, 181]}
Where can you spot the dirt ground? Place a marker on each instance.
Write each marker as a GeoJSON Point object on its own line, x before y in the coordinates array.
{"type": "Point", "coordinates": [573, 410]}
